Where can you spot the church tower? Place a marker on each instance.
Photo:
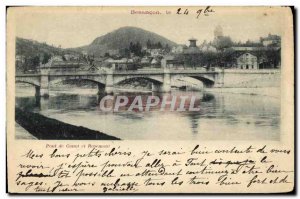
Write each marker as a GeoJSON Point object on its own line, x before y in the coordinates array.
{"type": "Point", "coordinates": [218, 31]}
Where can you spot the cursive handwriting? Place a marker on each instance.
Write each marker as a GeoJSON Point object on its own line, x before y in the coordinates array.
{"type": "Point", "coordinates": [88, 168]}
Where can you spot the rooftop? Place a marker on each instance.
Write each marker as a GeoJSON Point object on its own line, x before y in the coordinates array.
{"type": "Point", "coordinates": [192, 39]}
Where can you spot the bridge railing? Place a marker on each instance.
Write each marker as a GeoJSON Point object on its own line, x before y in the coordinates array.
{"type": "Point", "coordinates": [138, 71]}
{"type": "Point", "coordinates": [254, 71]}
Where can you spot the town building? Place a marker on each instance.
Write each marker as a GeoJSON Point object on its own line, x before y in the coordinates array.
{"type": "Point", "coordinates": [179, 49]}
{"type": "Point", "coordinates": [84, 53]}
{"type": "Point", "coordinates": [171, 62]}
{"type": "Point", "coordinates": [65, 66]}
{"type": "Point", "coordinates": [271, 40]}
{"type": "Point", "coordinates": [70, 57]}
{"type": "Point", "coordinates": [145, 60]}
{"type": "Point", "coordinates": [155, 62]}
{"type": "Point", "coordinates": [93, 68]}
{"type": "Point", "coordinates": [20, 59]}
{"type": "Point", "coordinates": [113, 52]}
{"type": "Point", "coordinates": [246, 48]}
{"type": "Point", "coordinates": [122, 64]}
{"type": "Point", "coordinates": [155, 52]}
{"type": "Point", "coordinates": [207, 47]}
{"type": "Point", "coordinates": [267, 56]}
{"type": "Point", "coordinates": [192, 49]}
{"type": "Point", "coordinates": [57, 58]}
{"type": "Point", "coordinates": [247, 61]}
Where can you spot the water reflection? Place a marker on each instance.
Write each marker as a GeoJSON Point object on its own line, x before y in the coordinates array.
{"type": "Point", "coordinates": [221, 116]}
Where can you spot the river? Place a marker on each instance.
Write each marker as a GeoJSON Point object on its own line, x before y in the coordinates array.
{"type": "Point", "coordinates": [222, 115]}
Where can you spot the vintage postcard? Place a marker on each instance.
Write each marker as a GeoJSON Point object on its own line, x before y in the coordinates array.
{"type": "Point", "coordinates": [150, 100]}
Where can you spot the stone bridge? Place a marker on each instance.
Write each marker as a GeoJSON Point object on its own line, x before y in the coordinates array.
{"type": "Point", "coordinates": [161, 78]}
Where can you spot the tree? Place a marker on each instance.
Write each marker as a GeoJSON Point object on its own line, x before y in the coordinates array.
{"type": "Point", "coordinates": [273, 56]}
{"type": "Point", "coordinates": [135, 48]}
{"type": "Point", "coordinates": [223, 42]}
{"type": "Point", "coordinates": [138, 49]}
{"type": "Point", "coordinates": [131, 47]}
{"type": "Point", "coordinates": [227, 57]}
{"type": "Point", "coordinates": [209, 59]}
{"type": "Point", "coordinates": [159, 45]}
{"type": "Point", "coordinates": [167, 48]}
{"type": "Point", "coordinates": [126, 52]}
{"type": "Point", "coordinates": [149, 44]}
{"type": "Point", "coordinates": [31, 63]}
{"type": "Point", "coordinates": [192, 60]}
{"type": "Point", "coordinates": [46, 58]}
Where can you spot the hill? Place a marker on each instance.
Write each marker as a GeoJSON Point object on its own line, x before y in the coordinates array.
{"type": "Point", "coordinates": [33, 52]}
{"type": "Point", "coordinates": [31, 48]}
{"type": "Point", "coordinates": [121, 38]}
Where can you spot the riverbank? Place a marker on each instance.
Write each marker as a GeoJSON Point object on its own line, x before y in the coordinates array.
{"type": "Point", "coordinates": [22, 134]}
{"type": "Point", "coordinates": [267, 91]}
{"type": "Point", "coordinates": [46, 128]}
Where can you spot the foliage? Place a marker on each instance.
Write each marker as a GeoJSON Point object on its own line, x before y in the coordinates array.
{"type": "Point", "coordinates": [249, 43]}
{"type": "Point", "coordinates": [135, 48]}
{"type": "Point", "coordinates": [31, 63]}
{"type": "Point", "coordinates": [34, 53]}
{"type": "Point", "coordinates": [273, 56]}
{"type": "Point", "coordinates": [209, 59]}
{"type": "Point", "coordinates": [222, 42]}
{"type": "Point", "coordinates": [46, 58]}
{"type": "Point", "coordinates": [192, 60]}
{"type": "Point", "coordinates": [153, 45]}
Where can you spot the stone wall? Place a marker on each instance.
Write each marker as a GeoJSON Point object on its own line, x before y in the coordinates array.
{"type": "Point", "coordinates": [251, 79]}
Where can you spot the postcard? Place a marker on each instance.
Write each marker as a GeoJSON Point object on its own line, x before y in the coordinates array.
{"type": "Point", "coordinates": [134, 100]}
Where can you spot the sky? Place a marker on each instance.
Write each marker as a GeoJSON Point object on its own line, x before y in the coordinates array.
{"type": "Point", "coordinates": [74, 27]}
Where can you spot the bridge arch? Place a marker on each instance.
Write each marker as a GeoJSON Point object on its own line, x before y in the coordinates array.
{"type": "Point", "coordinates": [35, 84]}
{"type": "Point", "coordinates": [99, 83]}
{"type": "Point", "coordinates": [157, 82]}
{"type": "Point", "coordinates": [154, 80]}
{"type": "Point", "coordinates": [55, 81]}
{"type": "Point", "coordinates": [94, 79]}
{"type": "Point", "coordinates": [28, 81]}
{"type": "Point", "coordinates": [207, 80]}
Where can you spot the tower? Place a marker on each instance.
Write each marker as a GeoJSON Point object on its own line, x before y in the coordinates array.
{"type": "Point", "coordinates": [193, 42]}
{"type": "Point", "coordinates": [218, 31]}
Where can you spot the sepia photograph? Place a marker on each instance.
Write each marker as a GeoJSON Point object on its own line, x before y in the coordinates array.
{"type": "Point", "coordinates": [89, 77]}
{"type": "Point", "coordinates": [150, 100]}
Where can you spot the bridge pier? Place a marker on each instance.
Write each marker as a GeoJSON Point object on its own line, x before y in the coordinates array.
{"type": "Point", "coordinates": [156, 88]}
{"type": "Point", "coordinates": [42, 103]}
{"type": "Point", "coordinates": [219, 80]}
{"type": "Point", "coordinates": [41, 92]}
{"type": "Point", "coordinates": [37, 92]}
{"type": "Point", "coordinates": [109, 85]}
{"type": "Point", "coordinates": [44, 89]}
{"type": "Point", "coordinates": [101, 89]}
{"type": "Point", "coordinates": [44, 79]}
{"type": "Point", "coordinates": [166, 86]}
{"type": "Point", "coordinates": [44, 92]}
